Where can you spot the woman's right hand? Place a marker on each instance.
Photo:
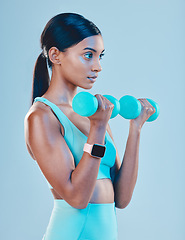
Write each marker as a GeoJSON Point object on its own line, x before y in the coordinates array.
{"type": "Point", "coordinates": [104, 111]}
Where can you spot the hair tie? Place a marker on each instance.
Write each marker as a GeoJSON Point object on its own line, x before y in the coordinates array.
{"type": "Point", "coordinates": [44, 52]}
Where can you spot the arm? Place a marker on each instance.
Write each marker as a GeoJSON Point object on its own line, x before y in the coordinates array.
{"type": "Point", "coordinates": [75, 185]}
{"type": "Point", "coordinates": [125, 179]}
{"type": "Point", "coordinates": [125, 173]}
{"type": "Point", "coordinates": [43, 136]}
{"type": "Point", "coordinates": [83, 178]}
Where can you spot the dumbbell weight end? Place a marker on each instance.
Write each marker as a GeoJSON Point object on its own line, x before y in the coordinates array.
{"type": "Point", "coordinates": [155, 115]}
{"type": "Point", "coordinates": [85, 104]}
{"type": "Point", "coordinates": [130, 107]}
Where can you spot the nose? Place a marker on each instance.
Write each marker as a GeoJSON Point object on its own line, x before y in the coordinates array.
{"type": "Point", "coordinates": [96, 66]}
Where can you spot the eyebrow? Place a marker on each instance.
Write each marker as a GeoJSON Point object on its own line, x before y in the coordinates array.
{"type": "Point", "coordinates": [92, 49]}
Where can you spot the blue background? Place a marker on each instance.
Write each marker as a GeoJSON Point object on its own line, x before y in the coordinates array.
{"type": "Point", "coordinates": [144, 57]}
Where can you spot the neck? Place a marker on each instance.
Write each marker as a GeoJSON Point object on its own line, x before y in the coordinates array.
{"type": "Point", "coordinates": [60, 91]}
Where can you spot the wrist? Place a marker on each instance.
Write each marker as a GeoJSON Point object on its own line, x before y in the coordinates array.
{"type": "Point", "coordinates": [98, 125]}
{"type": "Point", "coordinates": [96, 134]}
{"type": "Point", "coordinates": [95, 150]}
{"type": "Point", "coordinates": [134, 127]}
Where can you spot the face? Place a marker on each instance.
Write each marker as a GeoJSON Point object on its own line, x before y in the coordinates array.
{"type": "Point", "coordinates": [80, 63]}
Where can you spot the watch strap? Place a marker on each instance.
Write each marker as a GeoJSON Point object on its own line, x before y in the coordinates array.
{"type": "Point", "coordinates": [87, 147]}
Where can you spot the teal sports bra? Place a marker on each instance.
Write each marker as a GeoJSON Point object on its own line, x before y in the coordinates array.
{"type": "Point", "coordinates": [75, 140]}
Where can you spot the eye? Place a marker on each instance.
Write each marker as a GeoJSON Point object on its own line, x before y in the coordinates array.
{"type": "Point", "coordinates": [88, 55]}
{"type": "Point", "coordinates": [101, 55]}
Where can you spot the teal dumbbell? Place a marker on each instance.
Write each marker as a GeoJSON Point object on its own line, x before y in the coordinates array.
{"type": "Point", "coordinates": [130, 108]}
{"type": "Point", "coordinates": [85, 104]}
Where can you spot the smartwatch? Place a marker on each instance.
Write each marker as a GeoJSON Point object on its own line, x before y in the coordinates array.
{"type": "Point", "coordinates": [95, 150]}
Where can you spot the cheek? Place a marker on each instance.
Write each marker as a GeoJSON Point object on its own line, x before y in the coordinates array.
{"type": "Point", "coordinates": [76, 67]}
{"type": "Point", "coordinates": [82, 61]}
{"type": "Point", "coordinates": [80, 66]}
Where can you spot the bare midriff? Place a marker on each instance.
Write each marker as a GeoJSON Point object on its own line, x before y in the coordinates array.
{"type": "Point", "coordinates": [103, 192]}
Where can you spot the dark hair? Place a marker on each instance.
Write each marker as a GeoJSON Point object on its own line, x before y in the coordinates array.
{"type": "Point", "coordinates": [62, 31]}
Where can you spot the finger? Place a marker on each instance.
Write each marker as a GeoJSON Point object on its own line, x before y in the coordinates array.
{"type": "Point", "coordinates": [100, 101]}
{"type": "Point", "coordinates": [151, 107]}
{"type": "Point", "coordinates": [142, 102]}
{"type": "Point", "coordinates": [107, 102]}
{"type": "Point", "coordinates": [145, 103]}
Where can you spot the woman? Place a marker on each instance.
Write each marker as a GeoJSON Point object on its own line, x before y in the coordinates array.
{"type": "Point", "coordinates": [87, 186]}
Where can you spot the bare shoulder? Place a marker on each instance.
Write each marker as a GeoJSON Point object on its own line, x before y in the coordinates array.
{"type": "Point", "coordinates": [37, 115]}
{"type": "Point", "coordinates": [37, 109]}
{"type": "Point", "coordinates": [41, 114]}
{"type": "Point", "coordinates": [38, 120]}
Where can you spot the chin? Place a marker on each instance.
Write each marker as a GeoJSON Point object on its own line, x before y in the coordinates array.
{"type": "Point", "coordinates": [84, 87]}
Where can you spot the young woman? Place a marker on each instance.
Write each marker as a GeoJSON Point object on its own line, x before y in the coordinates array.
{"type": "Point", "coordinates": [87, 186]}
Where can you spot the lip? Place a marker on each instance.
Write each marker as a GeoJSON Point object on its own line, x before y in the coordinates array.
{"type": "Point", "coordinates": [93, 79]}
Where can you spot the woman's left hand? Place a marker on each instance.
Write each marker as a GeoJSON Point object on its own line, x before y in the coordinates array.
{"type": "Point", "coordinates": [146, 111]}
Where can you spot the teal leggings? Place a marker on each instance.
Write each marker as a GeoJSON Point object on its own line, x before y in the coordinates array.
{"type": "Point", "coordinates": [95, 222]}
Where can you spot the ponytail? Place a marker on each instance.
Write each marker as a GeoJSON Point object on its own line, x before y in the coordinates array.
{"type": "Point", "coordinates": [41, 78]}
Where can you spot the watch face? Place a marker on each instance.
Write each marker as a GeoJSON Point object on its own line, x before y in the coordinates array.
{"type": "Point", "coordinates": [98, 150]}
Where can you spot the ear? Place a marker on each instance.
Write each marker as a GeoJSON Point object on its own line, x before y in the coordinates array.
{"type": "Point", "coordinates": [54, 55]}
